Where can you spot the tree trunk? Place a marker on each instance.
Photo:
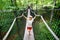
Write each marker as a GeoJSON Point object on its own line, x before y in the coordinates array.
{"type": "Point", "coordinates": [52, 11]}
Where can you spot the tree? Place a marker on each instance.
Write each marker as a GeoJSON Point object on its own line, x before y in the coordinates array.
{"type": "Point", "coordinates": [52, 11]}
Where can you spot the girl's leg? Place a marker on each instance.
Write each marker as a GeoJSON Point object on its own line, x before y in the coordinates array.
{"type": "Point", "coordinates": [29, 33]}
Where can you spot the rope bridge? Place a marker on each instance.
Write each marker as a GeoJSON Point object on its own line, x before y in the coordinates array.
{"type": "Point", "coordinates": [26, 36]}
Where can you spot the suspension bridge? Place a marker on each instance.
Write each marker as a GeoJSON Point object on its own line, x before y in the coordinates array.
{"type": "Point", "coordinates": [26, 34]}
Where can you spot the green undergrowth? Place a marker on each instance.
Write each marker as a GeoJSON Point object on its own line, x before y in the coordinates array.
{"type": "Point", "coordinates": [41, 32]}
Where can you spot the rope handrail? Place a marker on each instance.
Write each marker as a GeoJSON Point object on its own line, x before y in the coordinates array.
{"type": "Point", "coordinates": [5, 37]}
{"type": "Point", "coordinates": [56, 37]}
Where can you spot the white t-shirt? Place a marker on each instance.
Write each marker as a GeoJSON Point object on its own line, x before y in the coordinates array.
{"type": "Point", "coordinates": [30, 22]}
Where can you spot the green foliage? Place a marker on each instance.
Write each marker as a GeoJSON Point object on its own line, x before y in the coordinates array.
{"type": "Point", "coordinates": [41, 32]}
{"type": "Point", "coordinates": [57, 3]}
{"type": "Point", "coordinates": [6, 20]}
{"type": "Point", "coordinates": [56, 27]}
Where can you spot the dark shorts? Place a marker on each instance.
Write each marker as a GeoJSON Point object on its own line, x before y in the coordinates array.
{"type": "Point", "coordinates": [29, 28]}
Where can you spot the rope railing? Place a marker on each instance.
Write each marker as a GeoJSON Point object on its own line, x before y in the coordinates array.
{"type": "Point", "coordinates": [56, 37]}
{"type": "Point", "coordinates": [5, 37]}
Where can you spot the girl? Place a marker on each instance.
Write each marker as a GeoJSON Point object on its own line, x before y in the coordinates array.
{"type": "Point", "coordinates": [30, 20]}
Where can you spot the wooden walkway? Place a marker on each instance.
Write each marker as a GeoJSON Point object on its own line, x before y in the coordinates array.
{"type": "Point", "coordinates": [26, 35]}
